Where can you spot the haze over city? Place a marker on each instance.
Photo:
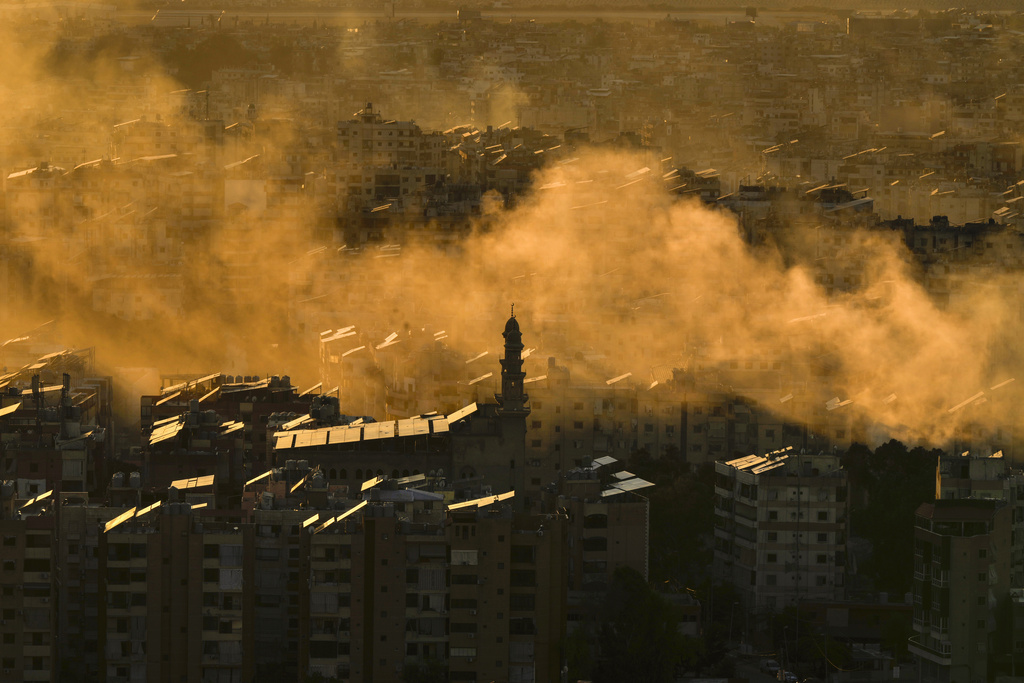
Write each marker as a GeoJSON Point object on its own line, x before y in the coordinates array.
{"type": "Point", "coordinates": [260, 260]}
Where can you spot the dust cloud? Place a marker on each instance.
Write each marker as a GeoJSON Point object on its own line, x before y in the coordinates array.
{"type": "Point", "coordinates": [599, 258]}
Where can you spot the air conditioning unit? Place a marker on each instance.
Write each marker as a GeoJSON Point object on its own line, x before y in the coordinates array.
{"type": "Point", "coordinates": [471, 660]}
{"type": "Point", "coordinates": [473, 612]}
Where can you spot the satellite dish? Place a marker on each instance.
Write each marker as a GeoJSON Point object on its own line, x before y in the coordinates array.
{"type": "Point", "coordinates": [432, 473]}
{"type": "Point", "coordinates": [440, 472]}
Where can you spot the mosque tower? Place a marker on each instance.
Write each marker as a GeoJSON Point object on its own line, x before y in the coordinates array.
{"type": "Point", "coordinates": [513, 398]}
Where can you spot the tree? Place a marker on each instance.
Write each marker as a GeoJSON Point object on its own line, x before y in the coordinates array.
{"type": "Point", "coordinates": [639, 638]}
{"type": "Point", "coordinates": [889, 484]}
{"type": "Point", "coordinates": [682, 516]}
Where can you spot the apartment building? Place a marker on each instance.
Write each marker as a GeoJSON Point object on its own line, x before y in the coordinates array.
{"type": "Point", "coordinates": [961, 576]}
{"type": "Point", "coordinates": [28, 597]}
{"type": "Point", "coordinates": [385, 160]}
{"type": "Point", "coordinates": [54, 419]}
{"type": "Point", "coordinates": [991, 477]}
{"type": "Point", "coordinates": [609, 528]}
{"type": "Point", "coordinates": [358, 590]}
{"type": "Point", "coordinates": [780, 528]}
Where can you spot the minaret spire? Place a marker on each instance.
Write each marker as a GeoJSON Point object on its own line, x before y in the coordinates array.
{"type": "Point", "coordinates": [512, 397]}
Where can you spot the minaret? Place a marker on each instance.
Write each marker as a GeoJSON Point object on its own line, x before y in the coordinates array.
{"type": "Point", "coordinates": [512, 398]}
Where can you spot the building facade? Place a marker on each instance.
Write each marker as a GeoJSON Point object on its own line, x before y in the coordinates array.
{"type": "Point", "coordinates": [961, 577]}
{"type": "Point", "coordinates": [780, 528]}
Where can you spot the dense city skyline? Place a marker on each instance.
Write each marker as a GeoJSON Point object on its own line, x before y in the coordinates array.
{"type": "Point", "coordinates": [412, 342]}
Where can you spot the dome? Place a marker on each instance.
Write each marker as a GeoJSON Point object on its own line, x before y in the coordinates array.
{"type": "Point", "coordinates": [512, 326]}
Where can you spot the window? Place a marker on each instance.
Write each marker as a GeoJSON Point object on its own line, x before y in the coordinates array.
{"type": "Point", "coordinates": [822, 515]}
{"type": "Point", "coordinates": [982, 554]}
{"type": "Point", "coordinates": [770, 579]}
{"type": "Point", "coordinates": [819, 580]}
{"type": "Point", "coordinates": [822, 538]}
{"type": "Point", "coordinates": [773, 514]}
{"type": "Point", "coordinates": [523, 578]}
{"type": "Point", "coordinates": [772, 558]}
{"type": "Point", "coordinates": [822, 559]}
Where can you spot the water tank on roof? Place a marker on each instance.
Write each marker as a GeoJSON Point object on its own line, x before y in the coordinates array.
{"type": "Point", "coordinates": [135, 480]}
{"type": "Point", "coordinates": [193, 406]}
{"type": "Point", "coordinates": [248, 378]}
{"type": "Point", "coordinates": [267, 500]}
{"type": "Point", "coordinates": [117, 481]}
{"type": "Point", "coordinates": [286, 381]}
{"type": "Point", "coordinates": [303, 465]}
{"type": "Point", "coordinates": [275, 381]}
{"type": "Point", "coordinates": [290, 464]}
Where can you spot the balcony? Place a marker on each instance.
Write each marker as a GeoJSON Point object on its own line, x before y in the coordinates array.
{"type": "Point", "coordinates": [938, 652]}
{"type": "Point", "coordinates": [940, 579]}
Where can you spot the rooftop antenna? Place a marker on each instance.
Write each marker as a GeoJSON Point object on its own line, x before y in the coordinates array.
{"type": "Point", "coordinates": [513, 310]}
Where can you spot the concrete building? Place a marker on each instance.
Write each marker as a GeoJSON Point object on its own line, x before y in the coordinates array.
{"type": "Point", "coordinates": [28, 599]}
{"type": "Point", "coordinates": [609, 528]}
{"type": "Point", "coordinates": [961, 577]}
{"type": "Point", "coordinates": [780, 528]}
{"type": "Point", "coordinates": [309, 582]}
{"type": "Point", "coordinates": [966, 476]}
{"type": "Point", "coordinates": [54, 421]}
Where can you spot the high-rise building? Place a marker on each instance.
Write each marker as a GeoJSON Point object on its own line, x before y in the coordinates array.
{"type": "Point", "coordinates": [780, 528]}
{"type": "Point", "coordinates": [961, 574]}
{"type": "Point", "coordinates": [28, 604]}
